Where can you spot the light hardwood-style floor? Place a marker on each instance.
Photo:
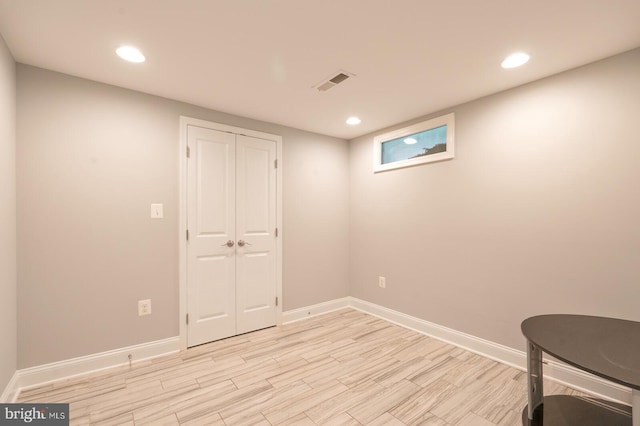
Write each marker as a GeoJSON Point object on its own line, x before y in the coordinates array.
{"type": "Point", "coordinates": [342, 368]}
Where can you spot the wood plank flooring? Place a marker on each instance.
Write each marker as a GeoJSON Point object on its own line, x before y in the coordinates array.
{"type": "Point", "coordinates": [342, 368]}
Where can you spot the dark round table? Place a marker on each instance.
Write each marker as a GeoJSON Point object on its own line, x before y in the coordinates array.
{"type": "Point", "coordinates": [606, 347]}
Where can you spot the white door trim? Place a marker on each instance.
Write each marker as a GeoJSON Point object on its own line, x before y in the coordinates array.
{"type": "Point", "coordinates": [182, 214]}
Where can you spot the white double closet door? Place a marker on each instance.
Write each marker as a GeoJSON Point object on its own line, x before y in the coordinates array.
{"type": "Point", "coordinates": [231, 225]}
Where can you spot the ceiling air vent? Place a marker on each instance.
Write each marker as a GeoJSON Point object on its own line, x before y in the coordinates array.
{"type": "Point", "coordinates": [333, 81]}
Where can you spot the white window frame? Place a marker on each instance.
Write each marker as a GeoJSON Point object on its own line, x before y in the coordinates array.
{"type": "Point", "coordinates": [448, 120]}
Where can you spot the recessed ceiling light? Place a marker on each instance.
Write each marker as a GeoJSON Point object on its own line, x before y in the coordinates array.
{"type": "Point", "coordinates": [515, 60]}
{"type": "Point", "coordinates": [130, 53]}
{"type": "Point", "coordinates": [353, 121]}
{"type": "Point", "coordinates": [410, 141]}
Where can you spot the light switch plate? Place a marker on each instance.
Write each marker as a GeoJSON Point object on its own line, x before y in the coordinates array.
{"type": "Point", "coordinates": [156, 211]}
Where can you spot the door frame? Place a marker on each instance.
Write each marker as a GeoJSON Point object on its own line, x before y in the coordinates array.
{"type": "Point", "coordinates": [182, 214]}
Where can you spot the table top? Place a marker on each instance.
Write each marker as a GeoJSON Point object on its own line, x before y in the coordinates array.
{"type": "Point", "coordinates": [606, 347]}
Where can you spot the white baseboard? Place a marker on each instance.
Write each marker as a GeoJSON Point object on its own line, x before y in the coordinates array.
{"type": "Point", "coordinates": [585, 382]}
{"type": "Point", "coordinates": [315, 310]}
{"type": "Point", "coordinates": [554, 370]}
{"type": "Point", "coordinates": [42, 374]}
{"type": "Point", "coordinates": [10, 393]}
{"type": "Point", "coordinates": [494, 351]}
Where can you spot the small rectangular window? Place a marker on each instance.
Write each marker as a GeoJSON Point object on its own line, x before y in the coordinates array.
{"type": "Point", "coordinates": [425, 142]}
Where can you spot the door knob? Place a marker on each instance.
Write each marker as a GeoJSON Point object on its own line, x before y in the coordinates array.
{"type": "Point", "coordinates": [242, 243]}
{"type": "Point", "coordinates": [229, 243]}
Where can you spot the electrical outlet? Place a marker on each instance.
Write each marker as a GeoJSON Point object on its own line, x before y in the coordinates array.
{"type": "Point", "coordinates": [144, 307]}
{"type": "Point", "coordinates": [382, 282]}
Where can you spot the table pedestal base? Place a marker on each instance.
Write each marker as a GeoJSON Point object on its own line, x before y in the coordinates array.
{"type": "Point", "coordinates": [635, 404]}
{"type": "Point", "coordinates": [565, 410]}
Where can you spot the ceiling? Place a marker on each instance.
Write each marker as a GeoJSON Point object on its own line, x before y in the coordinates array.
{"type": "Point", "coordinates": [262, 58]}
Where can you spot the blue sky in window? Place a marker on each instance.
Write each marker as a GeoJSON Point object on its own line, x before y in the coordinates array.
{"type": "Point", "coordinates": [397, 150]}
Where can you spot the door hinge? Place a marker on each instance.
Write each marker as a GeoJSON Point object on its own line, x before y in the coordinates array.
{"type": "Point", "coordinates": [276, 232]}
{"type": "Point", "coordinates": [187, 319]}
{"type": "Point", "coordinates": [276, 301]}
{"type": "Point", "coordinates": [187, 235]}
{"type": "Point", "coordinates": [275, 163]}
{"type": "Point", "coordinates": [188, 152]}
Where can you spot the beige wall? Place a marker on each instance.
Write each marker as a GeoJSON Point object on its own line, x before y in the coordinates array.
{"type": "Point", "coordinates": [91, 158]}
{"type": "Point", "coordinates": [7, 215]}
{"type": "Point", "coordinates": [538, 213]}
